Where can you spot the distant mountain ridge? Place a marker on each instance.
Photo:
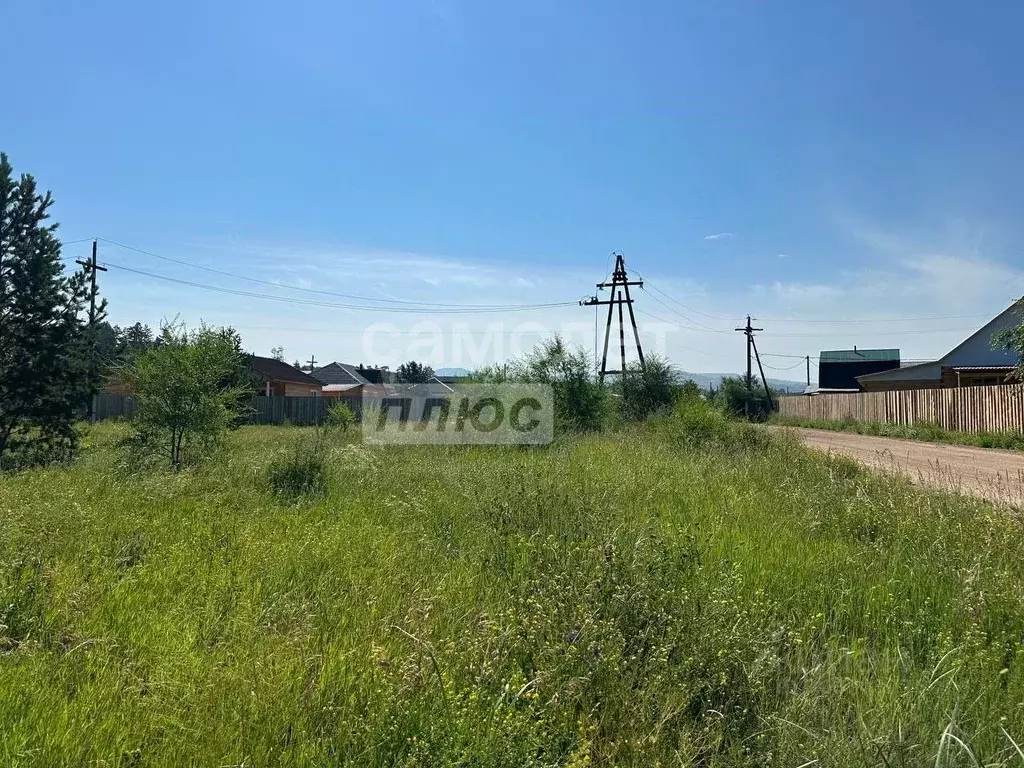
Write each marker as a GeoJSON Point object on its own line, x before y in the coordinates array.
{"type": "Point", "coordinates": [705, 380]}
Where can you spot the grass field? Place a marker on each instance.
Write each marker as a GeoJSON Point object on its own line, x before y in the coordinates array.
{"type": "Point", "coordinates": [930, 433]}
{"type": "Point", "coordinates": [663, 596]}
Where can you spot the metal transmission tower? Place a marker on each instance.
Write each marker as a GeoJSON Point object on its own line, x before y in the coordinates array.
{"type": "Point", "coordinates": [619, 295]}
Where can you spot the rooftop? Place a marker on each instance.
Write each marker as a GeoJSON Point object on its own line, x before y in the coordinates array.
{"type": "Point", "coordinates": [859, 355]}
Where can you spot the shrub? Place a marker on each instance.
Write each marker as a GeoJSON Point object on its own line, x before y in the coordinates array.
{"type": "Point", "coordinates": [188, 391]}
{"type": "Point", "coordinates": [581, 403]}
{"type": "Point", "coordinates": [744, 399]}
{"type": "Point", "coordinates": [302, 472]}
{"type": "Point", "coordinates": [341, 415]}
{"type": "Point", "coordinates": [648, 390]}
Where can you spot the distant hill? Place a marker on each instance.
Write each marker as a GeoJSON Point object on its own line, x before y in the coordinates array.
{"type": "Point", "coordinates": [705, 380]}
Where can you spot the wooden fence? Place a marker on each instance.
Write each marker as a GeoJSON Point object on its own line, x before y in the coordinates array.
{"type": "Point", "coordinates": [966, 409]}
{"type": "Point", "coordinates": [263, 410]}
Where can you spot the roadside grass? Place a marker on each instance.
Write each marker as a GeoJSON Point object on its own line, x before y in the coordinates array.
{"type": "Point", "coordinates": [685, 592]}
{"type": "Point", "coordinates": [924, 431]}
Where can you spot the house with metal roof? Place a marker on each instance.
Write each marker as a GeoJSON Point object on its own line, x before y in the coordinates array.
{"type": "Point", "coordinates": [276, 377]}
{"type": "Point", "coordinates": [973, 362]}
{"type": "Point", "coordinates": [351, 380]}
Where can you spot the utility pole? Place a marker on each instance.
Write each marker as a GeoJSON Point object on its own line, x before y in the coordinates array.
{"type": "Point", "coordinates": [312, 363]}
{"type": "Point", "coordinates": [92, 268]}
{"type": "Point", "coordinates": [748, 330]}
{"type": "Point", "coordinates": [808, 371]}
{"type": "Point", "coordinates": [619, 295]}
{"type": "Point", "coordinates": [764, 381]}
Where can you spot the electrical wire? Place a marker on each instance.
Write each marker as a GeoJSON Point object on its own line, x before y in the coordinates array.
{"type": "Point", "coordinates": [314, 303]}
{"type": "Point", "coordinates": [356, 297]}
{"type": "Point", "coordinates": [700, 326]}
{"type": "Point", "coordinates": [784, 368]}
{"type": "Point", "coordinates": [867, 333]}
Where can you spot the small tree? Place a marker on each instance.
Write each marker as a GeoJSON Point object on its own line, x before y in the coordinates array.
{"type": "Point", "coordinates": [743, 398]}
{"type": "Point", "coordinates": [277, 353]}
{"type": "Point", "coordinates": [413, 372]}
{"type": "Point", "coordinates": [645, 391]}
{"type": "Point", "coordinates": [188, 391]}
{"type": "Point", "coordinates": [340, 414]}
{"type": "Point", "coordinates": [580, 402]}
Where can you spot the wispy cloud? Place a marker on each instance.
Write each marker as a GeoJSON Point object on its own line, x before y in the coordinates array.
{"type": "Point", "coordinates": [719, 235]}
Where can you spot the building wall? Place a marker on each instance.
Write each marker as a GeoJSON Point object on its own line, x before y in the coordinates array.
{"type": "Point", "coordinates": [898, 385]}
{"type": "Point", "coordinates": [843, 375]}
{"type": "Point", "coordinates": [298, 390]}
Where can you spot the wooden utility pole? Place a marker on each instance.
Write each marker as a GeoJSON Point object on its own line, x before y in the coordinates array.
{"type": "Point", "coordinates": [312, 363]}
{"type": "Point", "coordinates": [764, 381]}
{"type": "Point", "coordinates": [808, 371]}
{"type": "Point", "coordinates": [619, 295]}
{"type": "Point", "coordinates": [92, 268]}
{"type": "Point", "coordinates": [748, 330]}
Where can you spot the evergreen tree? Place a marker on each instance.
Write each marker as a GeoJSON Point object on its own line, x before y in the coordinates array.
{"type": "Point", "coordinates": [413, 372]}
{"type": "Point", "coordinates": [46, 370]}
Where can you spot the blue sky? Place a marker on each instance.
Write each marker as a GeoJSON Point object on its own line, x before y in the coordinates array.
{"type": "Point", "coordinates": [858, 161]}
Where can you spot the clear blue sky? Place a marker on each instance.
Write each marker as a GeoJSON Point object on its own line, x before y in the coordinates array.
{"type": "Point", "coordinates": [859, 160]}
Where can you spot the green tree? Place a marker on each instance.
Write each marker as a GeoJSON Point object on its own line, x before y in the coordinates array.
{"type": "Point", "coordinates": [413, 372]}
{"type": "Point", "coordinates": [581, 403]}
{"type": "Point", "coordinates": [188, 391]}
{"type": "Point", "coordinates": [744, 399]}
{"type": "Point", "coordinates": [340, 414]}
{"type": "Point", "coordinates": [46, 375]}
{"type": "Point", "coordinates": [648, 390]}
{"type": "Point", "coordinates": [1012, 339]}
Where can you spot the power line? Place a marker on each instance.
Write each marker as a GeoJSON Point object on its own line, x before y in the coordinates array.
{"type": "Point", "coordinates": [875, 320]}
{"type": "Point", "coordinates": [787, 367]}
{"type": "Point", "coordinates": [318, 291]}
{"type": "Point", "coordinates": [925, 318]}
{"type": "Point", "coordinates": [677, 325]}
{"type": "Point", "coordinates": [701, 327]}
{"type": "Point", "coordinates": [861, 334]}
{"type": "Point", "coordinates": [314, 303]}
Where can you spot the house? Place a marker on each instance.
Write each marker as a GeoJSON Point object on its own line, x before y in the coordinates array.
{"type": "Point", "coordinates": [276, 377]}
{"type": "Point", "coordinates": [340, 379]}
{"type": "Point", "coordinates": [974, 362]}
{"type": "Point", "coordinates": [838, 369]}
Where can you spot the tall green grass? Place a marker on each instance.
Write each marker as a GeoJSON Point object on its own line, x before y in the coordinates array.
{"type": "Point", "coordinates": [687, 592]}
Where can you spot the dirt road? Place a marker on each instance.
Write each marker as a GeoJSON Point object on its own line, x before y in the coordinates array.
{"type": "Point", "coordinates": [986, 472]}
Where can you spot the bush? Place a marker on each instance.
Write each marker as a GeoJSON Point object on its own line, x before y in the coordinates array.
{"type": "Point", "coordinates": [188, 391]}
{"type": "Point", "coordinates": [302, 473]}
{"type": "Point", "coordinates": [581, 403]}
{"type": "Point", "coordinates": [341, 415]}
{"type": "Point", "coordinates": [744, 399]}
{"type": "Point", "coordinates": [648, 390]}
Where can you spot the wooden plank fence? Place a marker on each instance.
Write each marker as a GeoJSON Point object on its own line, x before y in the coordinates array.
{"type": "Point", "coordinates": [965, 409]}
{"type": "Point", "coordinates": [263, 410]}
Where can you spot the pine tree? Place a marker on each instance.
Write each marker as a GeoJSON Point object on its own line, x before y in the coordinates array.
{"type": "Point", "coordinates": [46, 371]}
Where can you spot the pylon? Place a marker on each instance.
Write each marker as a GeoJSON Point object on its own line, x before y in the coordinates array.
{"type": "Point", "coordinates": [619, 295]}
